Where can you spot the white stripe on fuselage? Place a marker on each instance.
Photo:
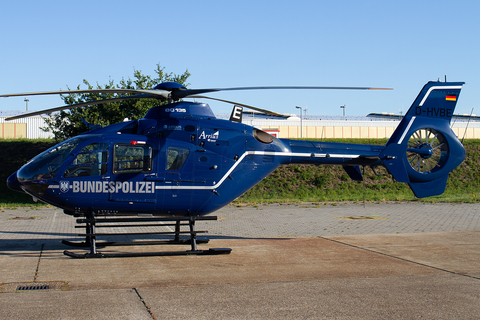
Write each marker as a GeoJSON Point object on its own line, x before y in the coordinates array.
{"type": "Point", "coordinates": [257, 153]}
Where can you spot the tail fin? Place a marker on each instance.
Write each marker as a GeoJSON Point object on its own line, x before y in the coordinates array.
{"type": "Point", "coordinates": [423, 150]}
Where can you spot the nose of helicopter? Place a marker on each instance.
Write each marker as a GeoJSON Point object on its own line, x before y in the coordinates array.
{"type": "Point", "coordinates": [12, 182]}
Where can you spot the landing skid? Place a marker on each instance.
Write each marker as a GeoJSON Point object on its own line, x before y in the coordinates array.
{"type": "Point", "coordinates": [85, 244]}
{"type": "Point", "coordinates": [211, 251]}
{"type": "Point", "coordinates": [90, 223]}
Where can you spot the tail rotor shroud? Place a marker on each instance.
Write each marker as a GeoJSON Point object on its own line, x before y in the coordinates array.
{"type": "Point", "coordinates": [423, 150]}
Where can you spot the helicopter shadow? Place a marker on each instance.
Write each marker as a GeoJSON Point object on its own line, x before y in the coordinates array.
{"type": "Point", "coordinates": [37, 243]}
{"type": "Point", "coordinates": [33, 242]}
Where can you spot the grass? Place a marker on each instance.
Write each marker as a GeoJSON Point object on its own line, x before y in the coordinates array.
{"type": "Point", "coordinates": [292, 183]}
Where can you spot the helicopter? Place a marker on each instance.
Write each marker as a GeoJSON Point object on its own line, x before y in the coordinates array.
{"type": "Point", "coordinates": [179, 160]}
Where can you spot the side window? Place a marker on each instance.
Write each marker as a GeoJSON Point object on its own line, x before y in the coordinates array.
{"type": "Point", "coordinates": [129, 158]}
{"type": "Point", "coordinates": [176, 157]}
{"type": "Point", "coordinates": [90, 161]}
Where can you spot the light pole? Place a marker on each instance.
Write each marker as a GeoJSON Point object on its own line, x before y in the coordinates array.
{"type": "Point", "coordinates": [301, 123]}
{"type": "Point", "coordinates": [26, 102]}
{"type": "Point", "coordinates": [343, 107]}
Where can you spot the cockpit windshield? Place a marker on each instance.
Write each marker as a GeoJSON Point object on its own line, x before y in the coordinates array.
{"type": "Point", "coordinates": [45, 165]}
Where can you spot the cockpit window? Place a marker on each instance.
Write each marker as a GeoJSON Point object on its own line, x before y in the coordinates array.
{"type": "Point", "coordinates": [129, 158]}
{"type": "Point", "coordinates": [45, 165]}
{"type": "Point", "coordinates": [92, 160]}
{"type": "Point", "coordinates": [176, 157]}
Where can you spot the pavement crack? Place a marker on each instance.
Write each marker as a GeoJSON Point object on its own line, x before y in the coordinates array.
{"type": "Point", "coordinates": [402, 259]}
{"type": "Point", "coordinates": [38, 263]}
{"type": "Point", "coordinates": [144, 304]}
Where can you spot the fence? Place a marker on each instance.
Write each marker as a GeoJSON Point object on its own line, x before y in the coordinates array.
{"type": "Point", "coordinates": [319, 129]}
{"type": "Point", "coordinates": [350, 129]}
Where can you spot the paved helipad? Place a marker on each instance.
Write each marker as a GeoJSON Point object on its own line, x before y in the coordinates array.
{"type": "Point", "coordinates": [343, 261]}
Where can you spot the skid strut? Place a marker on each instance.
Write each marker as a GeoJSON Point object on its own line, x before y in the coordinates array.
{"type": "Point", "coordinates": [90, 223]}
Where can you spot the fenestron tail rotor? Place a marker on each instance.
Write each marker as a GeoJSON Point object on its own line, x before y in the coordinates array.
{"type": "Point", "coordinates": [427, 150]}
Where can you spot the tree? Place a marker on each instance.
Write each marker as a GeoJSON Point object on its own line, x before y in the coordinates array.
{"type": "Point", "coordinates": [68, 123]}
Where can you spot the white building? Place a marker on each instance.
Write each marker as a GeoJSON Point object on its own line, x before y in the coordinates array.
{"type": "Point", "coordinates": [22, 128]}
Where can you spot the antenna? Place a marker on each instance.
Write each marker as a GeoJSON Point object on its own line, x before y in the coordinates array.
{"type": "Point", "coordinates": [465, 133]}
{"type": "Point", "coordinates": [364, 188]}
{"type": "Point", "coordinates": [454, 120]}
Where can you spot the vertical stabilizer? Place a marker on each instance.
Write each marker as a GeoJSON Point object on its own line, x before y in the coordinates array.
{"type": "Point", "coordinates": [423, 150]}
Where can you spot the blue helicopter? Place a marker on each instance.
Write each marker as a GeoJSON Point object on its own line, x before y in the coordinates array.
{"type": "Point", "coordinates": [181, 161]}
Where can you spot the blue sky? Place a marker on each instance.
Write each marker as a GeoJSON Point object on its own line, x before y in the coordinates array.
{"type": "Point", "coordinates": [49, 45]}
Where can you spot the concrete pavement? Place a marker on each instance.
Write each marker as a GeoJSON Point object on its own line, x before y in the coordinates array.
{"type": "Point", "coordinates": [342, 261]}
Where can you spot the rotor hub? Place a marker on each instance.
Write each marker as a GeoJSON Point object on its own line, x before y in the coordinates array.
{"type": "Point", "coordinates": [169, 86]}
{"type": "Point", "coordinates": [425, 151]}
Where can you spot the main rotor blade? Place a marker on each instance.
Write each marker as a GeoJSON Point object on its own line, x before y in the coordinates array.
{"type": "Point", "coordinates": [241, 104]}
{"type": "Point", "coordinates": [184, 93]}
{"type": "Point", "coordinates": [162, 93]}
{"type": "Point", "coordinates": [36, 113]}
{"type": "Point", "coordinates": [180, 93]}
{"type": "Point", "coordinates": [174, 94]}
{"type": "Point", "coordinates": [297, 88]}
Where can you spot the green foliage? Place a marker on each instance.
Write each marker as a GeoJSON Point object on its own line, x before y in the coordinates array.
{"type": "Point", "coordinates": [68, 123]}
